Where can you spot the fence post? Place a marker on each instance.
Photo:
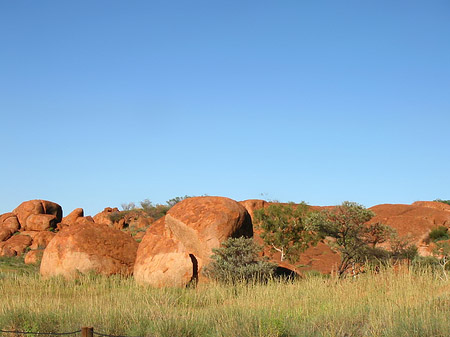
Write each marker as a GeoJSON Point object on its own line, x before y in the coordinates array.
{"type": "Point", "coordinates": [87, 331]}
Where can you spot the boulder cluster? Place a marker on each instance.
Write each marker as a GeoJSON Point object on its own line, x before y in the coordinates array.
{"type": "Point", "coordinates": [173, 250]}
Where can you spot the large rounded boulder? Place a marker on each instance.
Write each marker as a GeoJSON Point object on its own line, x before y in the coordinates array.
{"type": "Point", "coordinates": [89, 247]}
{"type": "Point", "coordinates": [162, 260]}
{"type": "Point", "coordinates": [176, 248]}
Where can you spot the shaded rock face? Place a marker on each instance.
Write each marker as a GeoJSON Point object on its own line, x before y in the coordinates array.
{"type": "Point", "coordinates": [175, 248]}
{"type": "Point", "coordinates": [82, 248]}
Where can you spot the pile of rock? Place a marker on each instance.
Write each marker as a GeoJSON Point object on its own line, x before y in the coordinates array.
{"type": "Point", "coordinates": [175, 248]}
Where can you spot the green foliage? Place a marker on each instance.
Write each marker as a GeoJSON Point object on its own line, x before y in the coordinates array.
{"type": "Point", "coordinates": [439, 234]}
{"type": "Point", "coordinates": [402, 248]}
{"type": "Point", "coordinates": [237, 260]}
{"type": "Point", "coordinates": [353, 238]}
{"type": "Point", "coordinates": [117, 216]}
{"type": "Point", "coordinates": [442, 253]}
{"type": "Point", "coordinates": [159, 210]}
{"type": "Point", "coordinates": [287, 229]}
{"type": "Point", "coordinates": [443, 201]}
{"type": "Point", "coordinates": [154, 211]}
{"type": "Point", "coordinates": [172, 202]}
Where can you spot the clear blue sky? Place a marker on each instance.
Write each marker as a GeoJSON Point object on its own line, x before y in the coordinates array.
{"type": "Point", "coordinates": [106, 102]}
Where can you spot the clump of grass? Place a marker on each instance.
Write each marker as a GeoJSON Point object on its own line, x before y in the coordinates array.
{"type": "Point", "coordinates": [439, 234]}
{"type": "Point", "coordinates": [411, 303]}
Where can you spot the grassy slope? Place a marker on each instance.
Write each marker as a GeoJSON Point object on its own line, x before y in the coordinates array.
{"type": "Point", "coordinates": [388, 304]}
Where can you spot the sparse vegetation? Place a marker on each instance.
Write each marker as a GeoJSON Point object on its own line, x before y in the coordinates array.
{"type": "Point", "coordinates": [355, 241]}
{"type": "Point", "coordinates": [154, 211]}
{"type": "Point", "coordinates": [443, 201]}
{"type": "Point", "coordinates": [238, 261]}
{"type": "Point", "coordinates": [439, 234]}
{"type": "Point", "coordinates": [287, 229]}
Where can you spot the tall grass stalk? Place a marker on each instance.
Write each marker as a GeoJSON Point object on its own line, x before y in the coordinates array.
{"type": "Point", "coordinates": [385, 304]}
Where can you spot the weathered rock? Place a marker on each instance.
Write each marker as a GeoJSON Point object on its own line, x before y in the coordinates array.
{"type": "Point", "coordinates": [34, 256]}
{"type": "Point", "coordinates": [40, 222]}
{"type": "Point", "coordinates": [163, 262]}
{"type": "Point", "coordinates": [36, 207]}
{"type": "Point", "coordinates": [8, 226]}
{"type": "Point", "coordinates": [252, 205]}
{"type": "Point", "coordinates": [104, 217]}
{"type": "Point", "coordinates": [16, 245]}
{"type": "Point", "coordinates": [89, 247]}
{"type": "Point", "coordinates": [203, 223]}
{"type": "Point", "coordinates": [139, 236]}
{"type": "Point", "coordinates": [42, 239]}
{"type": "Point", "coordinates": [31, 234]}
{"type": "Point", "coordinates": [413, 220]}
{"type": "Point", "coordinates": [73, 216]}
{"type": "Point", "coordinates": [433, 204]}
{"type": "Point", "coordinates": [175, 248]}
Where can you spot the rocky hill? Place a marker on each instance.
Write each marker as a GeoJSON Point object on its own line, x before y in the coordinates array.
{"type": "Point", "coordinates": [174, 249]}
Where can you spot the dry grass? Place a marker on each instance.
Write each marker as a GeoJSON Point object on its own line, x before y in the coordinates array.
{"type": "Point", "coordinates": [387, 304]}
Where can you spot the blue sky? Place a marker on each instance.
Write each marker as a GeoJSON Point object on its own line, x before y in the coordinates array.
{"type": "Point", "coordinates": [106, 102]}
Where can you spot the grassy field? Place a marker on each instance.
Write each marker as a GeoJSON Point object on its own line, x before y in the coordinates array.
{"type": "Point", "coordinates": [386, 304]}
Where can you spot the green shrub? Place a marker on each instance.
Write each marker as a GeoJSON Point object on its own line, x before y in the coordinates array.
{"type": "Point", "coordinates": [117, 216]}
{"type": "Point", "coordinates": [439, 234]}
{"type": "Point", "coordinates": [443, 201]}
{"type": "Point", "coordinates": [238, 261]}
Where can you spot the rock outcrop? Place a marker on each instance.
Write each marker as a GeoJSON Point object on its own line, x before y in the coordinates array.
{"type": "Point", "coordinates": [73, 216]}
{"type": "Point", "coordinates": [175, 248]}
{"type": "Point", "coordinates": [162, 260]}
{"type": "Point", "coordinates": [16, 245]}
{"type": "Point", "coordinates": [252, 205]}
{"type": "Point", "coordinates": [27, 210]}
{"type": "Point", "coordinates": [414, 221]}
{"type": "Point", "coordinates": [87, 247]}
{"type": "Point", "coordinates": [104, 217]}
{"type": "Point", "coordinates": [8, 226]}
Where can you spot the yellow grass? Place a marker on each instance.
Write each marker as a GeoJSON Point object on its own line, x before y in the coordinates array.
{"type": "Point", "coordinates": [387, 304]}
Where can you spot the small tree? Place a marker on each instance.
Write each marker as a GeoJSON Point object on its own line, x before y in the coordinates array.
{"type": "Point", "coordinates": [353, 238]}
{"type": "Point", "coordinates": [377, 233]}
{"type": "Point", "coordinates": [402, 248]}
{"type": "Point", "coordinates": [237, 260]}
{"type": "Point", "coordinates": [442, 253]}
{"type": "Point", "coordinates": [287, 229]}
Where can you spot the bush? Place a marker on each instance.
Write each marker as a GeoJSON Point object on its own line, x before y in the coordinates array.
{"type": "Point", "coordinates": [237, 260]}
{"type": "Point", "coordinates": [443, 201]}
{"type": "Point", "coordinates": [439, 234]}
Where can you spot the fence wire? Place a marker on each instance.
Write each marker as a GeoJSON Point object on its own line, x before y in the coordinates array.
{"type": "Point", "coordinates": [106, 335]}
{"type": "Point", "coordinates": [40, 333]}
{"type": "Point", "coordinates": [59, 333]}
